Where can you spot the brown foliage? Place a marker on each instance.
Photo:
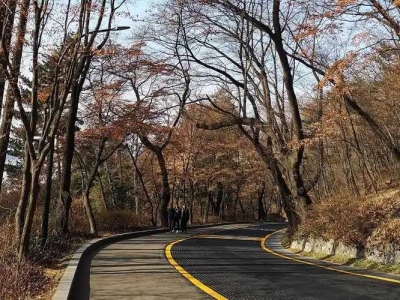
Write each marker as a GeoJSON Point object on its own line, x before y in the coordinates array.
{"type": "Point", "coordinates": [386, 234]}
{"type": "Point", "coordinates": [121, 221]}
{"type": "Point", "coordinates": [18, 280]}
{"type": "Point", "coordinates": [113, 221]}
{"type": "Point", "coordinates": [353, 221]}
{"type": "Point", "coordinates": [31, 278]}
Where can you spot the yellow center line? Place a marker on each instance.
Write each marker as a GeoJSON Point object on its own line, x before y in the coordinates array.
{"type": "Point", "coordinates": [186, 274]}
{"type": "Point", "coordinates": [263, 245]}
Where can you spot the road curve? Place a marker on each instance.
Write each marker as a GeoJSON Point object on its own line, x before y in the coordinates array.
{"type": "Point", "coordinates": [233, 264]}
{"type": "Point", "coordinates": [138, 269]}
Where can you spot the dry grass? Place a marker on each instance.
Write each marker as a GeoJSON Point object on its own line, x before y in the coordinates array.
{"type": "Point", "coordinates": [358, 263]}
{"type": "Point", "coordinates": [18, 280]}
{"type": "Point", "coordinates": [38, 276]}
{"type": "Point", "coordinates": [121, 221]}
{"type": "Point", "coordinates": [355, 222]}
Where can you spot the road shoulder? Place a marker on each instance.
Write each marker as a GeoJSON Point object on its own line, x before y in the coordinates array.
{"type": "Point", "coordinates": [272, 244]}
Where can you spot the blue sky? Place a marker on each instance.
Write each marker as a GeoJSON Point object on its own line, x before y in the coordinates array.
{"type": "Point", "coordinates": [142, 5]}
{"type": "Point", "coordinates": [137, 10]}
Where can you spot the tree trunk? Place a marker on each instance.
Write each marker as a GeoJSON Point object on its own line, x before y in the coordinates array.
{"type": "Point", "coordinates": [111, 184]}
{"type": "Point", "coordinates": [47, 197]}
{"type": "Point", "coordinates": [205, 218]}
{"type": "Point", "coordinates": [135, 193]}
{"type": "Point", "coordinates": [241, 206]}
{"type": "Point", "coordinates": [69, 149]}
{"type": "Point", "coordinates": [184, 192]}
{"type": "Point", "coordinates": [174, 199]}
{"type": "Point", "coordinates": [235, 206]}
{"type": "Point", "coordinates": [86, 194]}
{"type": "Point", "coordinates": [361, 153]}
{"type": "Point", "coordinates": [24, 196]}
{"type": "Point", "coordinates": [33, 195]}
{"type": "Point", "coordinates": [347, 163]}
{"type": "Point", "coordinates": [288, 200]}
{"type": "Point", "coordinates": [89, 211]}
{"type": "Point", "coordinates": [103, 194]}
{"type": "Point", "coordinates": [210, 198]}
{"type": "Point", "coordinates": [191, 203]}
{"type": "Point", "coordinates": [120, 173]}
{"type": "Point", "coordinates": [289, 205]}
{"type": "Point", "coordinates": [8, 110]}
{"type": "Point", "coordinates": [374, 126]}
{"type": "Point", "coordinates": [166, 193]}
{"type": "Point", "coordinates": [220, 197]}
{"type": "Point", "coordinates": [261, 211]}
{"type": "Point", "coordinates": [7, 16]}
{"type": "Point", "coordinates": [236, 201]}
{"type": "Point", "coordinates": [140, 177]}
{"type": "Point", "coordinates": [221, 205]}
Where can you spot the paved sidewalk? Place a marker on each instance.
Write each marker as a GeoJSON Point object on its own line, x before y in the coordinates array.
{"type": "Point", "coordinates": [138, 269]}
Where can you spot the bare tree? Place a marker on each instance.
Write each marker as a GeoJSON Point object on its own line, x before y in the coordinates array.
{"type": "Point", "coordinates": [243, 50]}
{"type": "Point", "coordinates": [105, 12]}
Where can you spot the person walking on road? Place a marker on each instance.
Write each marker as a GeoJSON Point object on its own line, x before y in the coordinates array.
{"type": "Point", "coordinates": [177, 217]}
{"type": "Point", "coordinates": [171, 217]}
{"type": "Point", "coordinates": [184, 218]}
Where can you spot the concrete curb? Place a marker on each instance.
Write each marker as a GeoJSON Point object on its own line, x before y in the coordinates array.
{"type": "Point", "coordinates": [274, 244]}
{"type": "Point", "coordinates": [71, 283]}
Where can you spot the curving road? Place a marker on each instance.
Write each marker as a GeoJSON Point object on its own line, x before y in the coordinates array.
{"type": "Point", "coordinates": [234, 264]}
{"type": "Point", "coordinates": [228, 263]}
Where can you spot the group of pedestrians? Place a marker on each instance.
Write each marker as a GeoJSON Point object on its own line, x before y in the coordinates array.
{"type": "Point", "coordinates": [178, 218]}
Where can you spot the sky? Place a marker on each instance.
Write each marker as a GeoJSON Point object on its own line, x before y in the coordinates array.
{"type": "Point", "coordinates": [142, 5]}
{"type": "Point", "coordinates": [137, 8]}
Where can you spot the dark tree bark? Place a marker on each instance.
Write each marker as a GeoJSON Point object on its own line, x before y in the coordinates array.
{"type": "Point", "coordinates": [24, 196]}
{"type": "Point", "coordinates": [262, 215]}
{"type": "Point", "coordinates": [210, 201]}
{"type": "Point", "coordinates": [86, 199]}
{"type": "Point", "coordinates": [68, 155]}
{"type": "Point", "coordinates": [207, 208]}
{"type": "Point", "coordinates": [219, 199]}
{"type": "Point", "coordinates": [166, 193]}
{"type": "Point", "coordinates": [102, 191]}
{"type": "Point", "coordinates": [7, 16]}
{"type": "Point", "coordinates": [33, 195]}
{"type": "Point", "coordinates": [111, 185]}
{"type": "Point", "coordinates": [192, 197]}
{"type": "Point", "coordinates": [236, 200]}
{"type": "Point", "coordinates": [9, 103]}
{"type": "Point", "coordinates": [37, 156]}
{"type": "Point", "coordinates": [47, 196]}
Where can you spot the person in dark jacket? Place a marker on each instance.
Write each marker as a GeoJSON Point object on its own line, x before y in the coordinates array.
{"type": "Point", "coordinates": [177, 217]}
{"type": "Point", "coordinates": [171, 217]}
{"type": "Point", "coordinates": [184, 218]}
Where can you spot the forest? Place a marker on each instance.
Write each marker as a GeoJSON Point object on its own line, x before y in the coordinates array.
{"type": "Point", "coordinates": [244, 110]}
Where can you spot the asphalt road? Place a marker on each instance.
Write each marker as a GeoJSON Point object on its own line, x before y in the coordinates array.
{"type": "Point", "coordinates": [233, 263]}
{"type": "Point", "coordinates": [138, 269]}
